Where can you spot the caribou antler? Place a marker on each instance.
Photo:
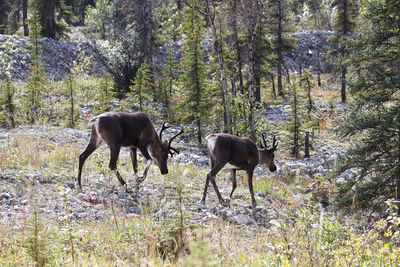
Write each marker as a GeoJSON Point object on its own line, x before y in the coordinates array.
{"type": "Point", "coordinates": [265, 142]}
{"type": "Point", "coordinates": [274, 143]}
{"type": "Point", "coordinates": [170, 141]}
{"type": "Point", "coordinates": [261, 145]}
{"type": "Point", "coordinates": [164, 126]}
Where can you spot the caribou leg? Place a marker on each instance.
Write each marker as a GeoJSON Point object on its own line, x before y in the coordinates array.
{"type": "Point", "coordinates": [250, 182]}
{"type": "Point", "coordinates": [211, 177]}
{"type": "Point", "coordinates": [233, 177]}
{"type": "Point", "coordinates": [91, 147]}
{"type": "Point", "coordinates": [203, 200]}
{"type": "Point", "coordinates": [146, 154]}
{"type": "Point", "coordinates": [134, 159]}
{"type": "Point", "coordinates": [113, 162]}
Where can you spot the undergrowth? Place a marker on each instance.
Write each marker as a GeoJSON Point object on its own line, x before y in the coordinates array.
{"type": "Point", "coordinates": [305, 234]}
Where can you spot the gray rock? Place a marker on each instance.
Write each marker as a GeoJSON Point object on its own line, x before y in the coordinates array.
{"type": "Point", "coordinates": [243, 219]}
{"type": "Point", "coordinates": [275, 223]}
{"type": "Point", "coordinates": [134, 210]}
{"type": "Point", "coordinates": [82, 196]}
{"type": "Point", "coordinates": [5, 196]}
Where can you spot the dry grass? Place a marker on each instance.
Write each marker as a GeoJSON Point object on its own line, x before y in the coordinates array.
{"type": "Point", "coordinates": [302, 232]}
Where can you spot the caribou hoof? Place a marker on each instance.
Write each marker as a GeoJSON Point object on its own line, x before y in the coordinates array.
{"type": "Point", "coordinates": [202, 206]}
{"type": "Point", "coordinates": [224, 203]}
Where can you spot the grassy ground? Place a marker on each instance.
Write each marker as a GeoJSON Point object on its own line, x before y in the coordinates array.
{"type": "Point", "coordinates": [49, 223]}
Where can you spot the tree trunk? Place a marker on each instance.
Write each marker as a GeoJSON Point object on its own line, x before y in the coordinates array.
{"type": "Point", "coordinates": [25, 17]}
{"type": "Point", "coordinates": [319, 68]}
{"type": "Point", "coordinates": [343, 81]}
{"type": "Point", "coordinates": [252, 37]}
{"type": "Point", "coordinates": [307, 145]}
{"type": "Point", "coordinates": [47, 20]}
{"type": "Point", "coordinates": [279, 50]}
{"type": "Point", "coordinates": [237, 46]}
{"type": "Point", "coordinates": [3, 16]}
{"type": "Point", "coordinates": [147, 29]}
{"type": "Point", "coordinates": [346, 30]}
{"type": "Point", "coordinates": [258, 88]}
{"type": "Point", "coordinates": [218, 50]}
{"type": "Point", "coordinates": [198, 97]}
{"type": "Point", "coordinates": [273, 86]}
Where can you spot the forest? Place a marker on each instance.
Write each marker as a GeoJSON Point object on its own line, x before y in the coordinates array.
{"type": "Point", "coordinates": [199, 132]}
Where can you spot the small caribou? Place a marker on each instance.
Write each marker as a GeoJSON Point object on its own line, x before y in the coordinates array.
{"type": "Point", "coordinates": [237, 153]}
{"type": "Point", "coordinates": [133, 130]}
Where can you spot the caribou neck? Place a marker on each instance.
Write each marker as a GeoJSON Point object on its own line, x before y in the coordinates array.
{"type": "Point", "coordinates": [260, 156]}
{"type": "Point", "coordinates": [155, 145]}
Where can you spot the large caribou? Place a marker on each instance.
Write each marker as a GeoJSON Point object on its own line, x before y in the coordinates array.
{"type": "Point", "coordinates": [133, 130]}
{"type": "Point", "coordinates": [237, 153]}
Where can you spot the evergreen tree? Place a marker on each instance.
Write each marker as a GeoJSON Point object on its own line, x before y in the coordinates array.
{"type": "Point", "coordinates": [296, 124]}
{"type": "Point", "coordinates": [212, 14]}
{"type": "Point", "coordinates": [99, 19]}
{"type": "Point", "coordinates": [237, 44]}
{"type": "Point", "coordinates": [375, 120]}
{"type": "Point", "coordinates": [192, 80]}
{"type": "Point", "coordinates": [279, 21]}
{"type": "Point", "coordinates": [263, 56]}
{"type": "Point", "coordinates": [7, 106]}
{"type": "Point", "coordinates": [37, 80]}
{"type": "Point", "coordinates": [4, 9]}
{"type": "Point", "coordinates": [344, 26]}
{"type": "Point", "coordinates": [306, 83]}
{"type": "Point", "coordinates": [168, 81]}
{"type": "Point", "coordinates": [105, 96]}
{"type": "Point", "coordinates": [7, 90]}
{"type": "Point", "coordinates": [142, 85]}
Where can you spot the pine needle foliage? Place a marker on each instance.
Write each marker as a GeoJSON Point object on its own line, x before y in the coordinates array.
{"type": "Point", "coordinates": [37, 80]}
{"type": "Point", "coordinates": [143, 85]}
{"type": "Point", "coordinates": [106, 95]}
{"type": "Point", "coordinates": [375, 121]}
{"type": "Point", "coordinates": [192, 106]}
{"type": "Point", "coordinates": [36, 243]}
{"type": "Point", "coordinates": [295, 126]}
{"type": "Point", "coordinates": [7, 105]}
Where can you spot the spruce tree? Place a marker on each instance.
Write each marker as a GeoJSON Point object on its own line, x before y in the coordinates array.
{"type": "Point", "coordinates": [7, 89]}
{"type": "Point", "coordinates": [344, 26]}
{"type": "Point", "coordinates": [105, 96]}
{"type": "Point", "coordinates": [279, 23]}
{"type": "Point", "coordinates": [296, 124]}
{"type": "Point", "coordinates": [142, 85]}
{"type": "Point", "coordinates": [263, 56]}
{"type": "Point", "coordinates": [374, 123]}
{"type": "Point", "coordinates": [168, 80]}
{"type": "Point", "coordinates": [37, 79]}
{"type": "Point", "coordinates": [7, 106]}
{"type": "Point", "coordinates": [192, 80]}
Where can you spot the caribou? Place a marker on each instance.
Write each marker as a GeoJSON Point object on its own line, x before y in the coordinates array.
{"type": "Point", "coordinates": [133, 130]}
{"type": "Point", "coordinates": [238, 153]}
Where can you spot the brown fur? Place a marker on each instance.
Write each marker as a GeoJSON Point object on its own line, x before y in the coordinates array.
{"type": "Point", "coordinates": [241, 153]}
{"type": "Point", "coordinates": [133, 130]}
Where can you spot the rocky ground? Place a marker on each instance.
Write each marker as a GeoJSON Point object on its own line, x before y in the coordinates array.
{"type": "Point", "coordinates": [55, 193]}
{"type": "Point", "coordinates": [58, 56]}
